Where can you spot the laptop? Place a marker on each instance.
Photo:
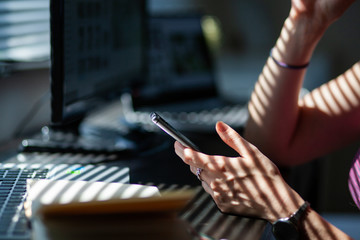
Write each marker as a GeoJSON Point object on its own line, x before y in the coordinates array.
{"type": "Point", "coordinates": [16, 171]}
{"type": "Point", "coordinates": [180, 80]}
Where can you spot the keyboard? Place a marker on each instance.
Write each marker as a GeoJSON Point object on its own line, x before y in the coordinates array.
{"type": "Point", "coordinates": [13, 223]}
{"type": "Point", "coordinates": [197, 121]}
{"type": "Point", "coordinates": [203, 120]}
{"type": "Point", "coordinates": [13, 177]}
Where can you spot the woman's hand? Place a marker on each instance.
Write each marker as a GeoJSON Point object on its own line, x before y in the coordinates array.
{"type": "Point", "coordinates": [249, 184]}
{"type": "Point", "coordinates": [322, 12]}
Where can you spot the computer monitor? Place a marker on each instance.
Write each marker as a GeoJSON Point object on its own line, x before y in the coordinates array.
{"type": "Point", "coordinates": [180, 65]}
{"type": "Point", "coordinates": [96, 53]}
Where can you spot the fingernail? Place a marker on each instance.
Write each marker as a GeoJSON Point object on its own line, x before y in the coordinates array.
{"type": "Point", "coordinates": [179, 145]}
{"type": "Point", "coordinates": [221, 126]}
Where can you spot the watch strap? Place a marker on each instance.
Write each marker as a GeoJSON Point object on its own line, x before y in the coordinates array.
{"type": "Point", "coordinates": [296, 217]}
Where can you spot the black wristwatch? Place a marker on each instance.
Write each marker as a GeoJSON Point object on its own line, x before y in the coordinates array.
{"type": "Point", "coordinates": [288, 228]}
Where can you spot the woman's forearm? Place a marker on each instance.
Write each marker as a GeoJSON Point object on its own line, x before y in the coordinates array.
{"type": "Point", "coordinates": [314, 227]}
{"type": "Point", "coordinates": [281, 125]}
{"type": "Point", "coordinates": [274, 108]}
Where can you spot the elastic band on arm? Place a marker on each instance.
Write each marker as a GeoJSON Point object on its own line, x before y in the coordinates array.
{"type": "Point", "coordinates": [284, 65]}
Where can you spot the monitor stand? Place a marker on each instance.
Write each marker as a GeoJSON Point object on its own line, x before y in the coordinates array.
{"type": "Point", "coordinates": [101, 132]}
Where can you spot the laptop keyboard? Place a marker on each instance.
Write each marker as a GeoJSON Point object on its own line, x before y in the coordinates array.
{"type": "Point", "coordinates": [13, 182]}
{"type": "Point", "coordinates": [13, 223]}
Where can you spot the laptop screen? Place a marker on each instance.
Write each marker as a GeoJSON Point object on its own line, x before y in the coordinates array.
{"type": "Point", "coordinates": [179, 65]}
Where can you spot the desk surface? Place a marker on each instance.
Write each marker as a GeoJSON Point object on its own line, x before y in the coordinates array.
{"type": "Point", "coordinates": [202, 213]}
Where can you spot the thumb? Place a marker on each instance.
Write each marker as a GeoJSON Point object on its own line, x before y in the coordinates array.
{"type": "Point", "coordinates": [233, 139]}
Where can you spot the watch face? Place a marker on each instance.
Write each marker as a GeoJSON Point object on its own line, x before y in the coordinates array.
{"type": "Point", "coordinates": [285, 229]}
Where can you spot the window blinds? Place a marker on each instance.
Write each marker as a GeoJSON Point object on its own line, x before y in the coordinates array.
{"type": "Point", "coordinates": [24, 30]}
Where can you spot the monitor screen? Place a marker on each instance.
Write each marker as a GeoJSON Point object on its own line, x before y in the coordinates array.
{"type": "Point", "coordinates": [96, 53]}
{"type": "Point", "coordinates": [179, 61]}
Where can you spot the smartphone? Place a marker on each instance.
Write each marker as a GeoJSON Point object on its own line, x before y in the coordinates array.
{"type": "Point", "coordinates": [178, 136]}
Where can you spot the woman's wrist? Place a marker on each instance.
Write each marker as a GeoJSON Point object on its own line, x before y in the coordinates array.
{"type": "Point", "coordinates": [298, 40]}
{"type": "Point", "coordinates": [315, 24]}
{"type": "Point", "coordinates": [288, 202]}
